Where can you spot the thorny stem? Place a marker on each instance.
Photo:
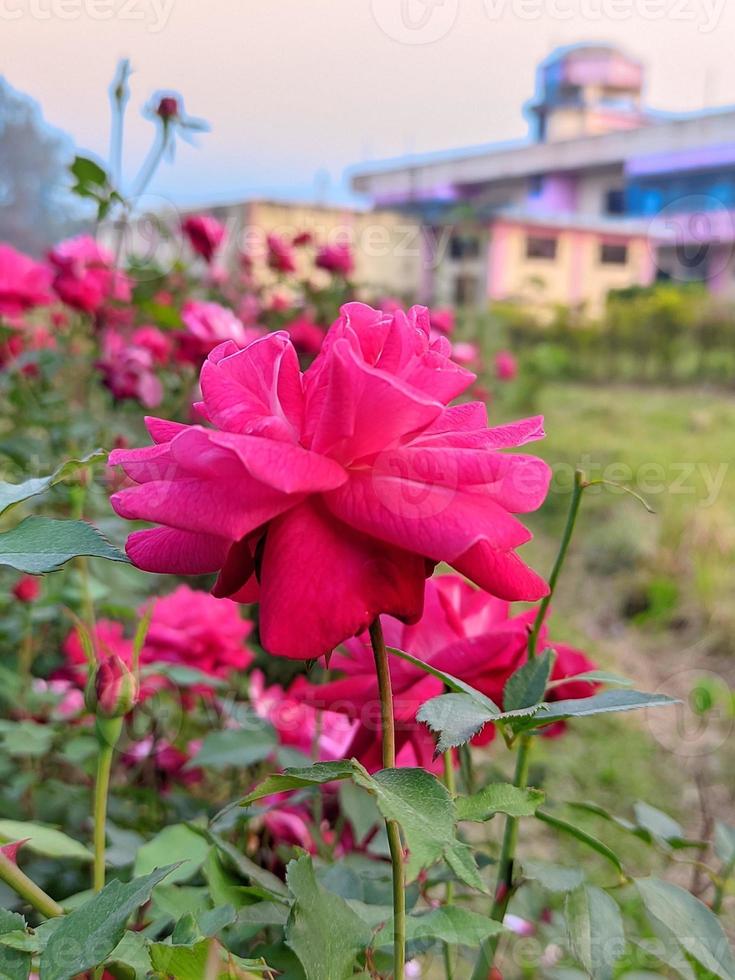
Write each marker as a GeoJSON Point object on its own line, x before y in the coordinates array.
{"type": "Point", "coordinates": [450, 783]}
{"type": "Point", "coordinates": [504, 884]}
{"type": "Point", "coordinates": [28, 890]}
{"type": "Point", "coordinates": [392, 828]}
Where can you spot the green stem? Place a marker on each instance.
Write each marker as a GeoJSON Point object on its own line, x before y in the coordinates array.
{"type": "Point", "coordinates": [391, 826]}
{"type": "Point", "coordinates": [28, 890]}
{"type": "Point", "coordinates": [108, 733]}
{"type": "Point", "coordinates": [450, 783]}
{"type": "Point", "coordinates": [504, 884]}
{"type": "Point", "coordinates": [577, 491]}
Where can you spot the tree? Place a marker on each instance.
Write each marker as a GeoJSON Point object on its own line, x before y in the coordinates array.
{"type": "Point", "coordinates": [35, 206]}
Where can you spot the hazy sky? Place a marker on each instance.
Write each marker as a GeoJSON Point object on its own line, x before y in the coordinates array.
{"type": "Point", "coordinates": [297, 88]}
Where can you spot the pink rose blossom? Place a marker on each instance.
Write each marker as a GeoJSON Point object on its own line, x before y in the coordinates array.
{"type": "Point", "coordinates": [465, 352]}
{"type": "Point", "coordinates": [27, 589]}
{"type": "Point", "coordinates": [153, 340]}
{"type": "Point", "coordinates": [306, 335]}
{"type": "Point", "coordinates": [127, 370]}
{"type": "Point", "coordinates": [506, 366]}
{"type": "Point", "coordinates": [442, 321]}
{"type": "Point", "coordinates": [209, 324]}
{"type": "Point", "coordinates": [24, 283]}
{"type": "Point", "coordinates": [280, 254]}
{"type": "Point", "coordinates": [337, 259]}
{"type": "Point", "coordinates": [329, 496]}
{"type": "Point", "coordinates": [204, 233]}
{"type": "Point", "coordinates": [86, 277]}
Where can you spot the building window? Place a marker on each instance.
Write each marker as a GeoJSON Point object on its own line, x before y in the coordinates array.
{"type": "Point", "coordinates": [466, 290]}
{"type": "Point", "coordinates": [613, 254]}
{"type": "Point", "coordinates": [540, 248]}
{"type": "Point", "coordinates": [536, 185]}
{"type": "Point", "coordinates": [615, 201]}
{"type": "Point", "coordinates": [464, 247]}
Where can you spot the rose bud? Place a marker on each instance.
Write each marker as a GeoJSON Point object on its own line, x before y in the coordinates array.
{"type": "Point", "coordinates": [27, 589]}
{"type": "Point", "coordinates": [113, 690]}
{"type": "Point", "coordinates": [168, 108]}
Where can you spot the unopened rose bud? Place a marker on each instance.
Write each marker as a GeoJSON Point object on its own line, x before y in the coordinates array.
{"type": "Point", "coordinates": [113, 690]}
{"type": "Point", "coordinates": [27, 589]}
{"type": "Point", "coordinates": [168, 108]}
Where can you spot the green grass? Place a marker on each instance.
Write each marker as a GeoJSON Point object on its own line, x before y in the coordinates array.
{"type": "Point", "coordinates": [649, 596]}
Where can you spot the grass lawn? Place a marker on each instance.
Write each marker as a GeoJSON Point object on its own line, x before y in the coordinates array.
{"type": "Point", "coordinates": [649, 596]}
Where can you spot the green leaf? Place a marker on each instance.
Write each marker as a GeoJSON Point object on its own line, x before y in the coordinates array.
{"type": "Point", "coordinates": [551, 876]}
{"type": "Point", "coordinates": [499, 798]}
{"type": "Point", "coordinates": [725, 842]}
{"type": "Point", "coordinates": [26, 739]}
{"type": "Point", "coordinates": [14, 493]}
{"type": "Point", "coordinates": [527, 686]}
{"type": "Point", "coordinates": [15, 964]}
{"type": "Point", "coordinates": [87, 936]}
{"type": "Point", "coordinates": [450, 682]}
{"type": "Point", "coordinates": [359, 808]}
{"type": "Point", "coordinates": [598, 704]}
{"type": "Point", "coordinates": [132, 954]}
{"type": "Point", "coordinates": [595, 929]}
{"type": "Point", "coordinates": [183, 962]}
{"type": "Point", "coordinates": [239, 747]}
{"type": "Point", "coordinates": [448, 923]}
{"type": "Point", "coordinates": [581, 835]}
{"type": "Point", "coordinates": [459, 717]}
{"type": "Point", "coordinates": [594, 677]}
{"type": "Point", "coordinates": [659, 824]}
{"type": "Point", "coordinates": [42, 544]}
{"type": "Point", "coordinates": [641, 832]}
{"type": "Point", "coordinates": [176, 844]}
{"type": "Point", "coordinates": [88, 172]}
{"type": "Point", "coordinates": [43, 840]}
{"type": "Point", "coordinates": [322, 930]}
{"type": "Point", "coordinates": [695, 927]}
{"type": "Point", "coordinates": [316, 775]}
{"type": "Point", "coordinates": [271, 885]}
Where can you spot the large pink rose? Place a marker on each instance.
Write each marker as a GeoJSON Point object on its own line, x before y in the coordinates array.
{"type": "Point", "coordinates": [24, 283]}
{"type": "Point", "coordinates": [204, 233]}
{"type": "Point", "coordinates": [86, 277]}
{"type": "Point", "coordinates": [329, 496]}
{"type": "Point", "coordinates": [464, 632]}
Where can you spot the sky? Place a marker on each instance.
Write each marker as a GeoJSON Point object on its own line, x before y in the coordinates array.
{"type": "Point", "coordinates": [298, 91]}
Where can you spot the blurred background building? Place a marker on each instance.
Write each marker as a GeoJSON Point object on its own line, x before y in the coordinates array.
{"type": "Point", "coordinates": [604, 195]}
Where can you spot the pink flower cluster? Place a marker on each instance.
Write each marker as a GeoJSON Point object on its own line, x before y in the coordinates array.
{"type": "Point", "coordinates": [329, 495]}
{"type": "Point", "coordinates": [187, 627]}
{"type": "Point", "coordinates": [86, 277]}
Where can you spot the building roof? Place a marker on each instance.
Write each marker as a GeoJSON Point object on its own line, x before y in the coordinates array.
{"type": "Point", "coordinates": [477, 165]}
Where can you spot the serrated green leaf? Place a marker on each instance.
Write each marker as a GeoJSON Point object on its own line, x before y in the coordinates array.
{"type": "Point", "coordinates": [88, 935]}
{"type": "Point", "coordinates": [271, 885]}
{"type": "Point", "coordinates": [359, 808]}
{"type": "Point", "coordinates": [176, 844]}
{"type": "Point", "coordinates": [42, 544]}
{"type": "Point", "coordinates": [595, 930]}
{"type": "Point", "coordinates": [659, 824]}
{"type": "Point", "coordinates": [298, 778]}
{"type": "Point", "coordinates": [88, 171]}
{"type": "Point", "coordinates": [452, 683]}
{"type": "Point", "coordinates": [183, 962]}
{"type": "Point", "coordinates": [499, 798]}
{"type": "Point", "coordinates": [43, 840]}
{"type": "Point", "coordinates": [15, 493]}
{"type": "Point", "coordinates": [322, 929]}
{"type": "Point", "coordinates": [448, 923]}
{"type": "Point", "coordinates": [132, 954]}
{"type": "Point", "coordinates": [551, 876]}
{"type": "Point", "coordinates": [458, 717]}
{"type": "Point", "coordinates": [239, 747]}
{"type": "Point", "coordinates": [594, 677]}
{"type": "Point", "coordinates": [696, 928]}
{"type": "Point", "coordinates": [598, 704]}
{"type": "Point", "coordinates": [15, 964]}
{"type": "Point", "coordinates": [527, 685]}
